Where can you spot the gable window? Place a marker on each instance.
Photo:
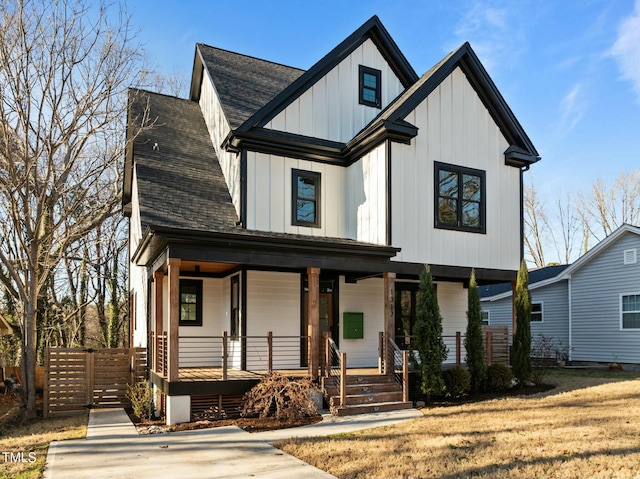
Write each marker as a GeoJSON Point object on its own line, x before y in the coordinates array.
{"type": "Point", "coordinates": [190, 302]}
{"type": "Point", "coordinates": [305, 198]}
{"type": "Point", "coordinates": [630, 311]}
{"type": "Point", "coordinates": [537, 313]}
{"type": "Point", "coordinates": [369, 86]}
{"type": "Point", "coordinates": [460, 198]}
{"type": "Point", "coordinates": [485, 317]}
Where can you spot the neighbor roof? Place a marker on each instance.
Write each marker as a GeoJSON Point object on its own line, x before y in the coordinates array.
{"type": "Point", "coordinates": [535, 276]}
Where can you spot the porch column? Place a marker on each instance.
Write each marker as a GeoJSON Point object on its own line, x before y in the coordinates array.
{"type": "Point", "coordinates": [173, 272]}
{"type": "Point", "coordinates": [158, 278]}
{"type": "Point", "coordinates": [313, 317]}
{"type": "Point", "coordinates": [389, 319]}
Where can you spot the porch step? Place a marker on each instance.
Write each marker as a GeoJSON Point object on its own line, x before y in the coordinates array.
{"type": "Point", "coordinates": [373, 398]}
{"type": "Point", "coordinates": [365, 394]}
{"type": "Point", "coordinates": [370, 408]}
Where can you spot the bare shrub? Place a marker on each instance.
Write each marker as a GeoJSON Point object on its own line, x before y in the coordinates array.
{"type": "Point", "coordinates": [279, 397]}
{"type": "Point", "coordinates": [140, 397]}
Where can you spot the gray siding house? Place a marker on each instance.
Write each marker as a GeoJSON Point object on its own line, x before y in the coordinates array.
{"type": "Point", "coordinates": [549, 297]}
{"type": "Point", "coordinates": [591, 308]}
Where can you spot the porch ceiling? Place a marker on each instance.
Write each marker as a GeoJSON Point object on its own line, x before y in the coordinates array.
{"type": "Point", "coordinates": [205, 267]}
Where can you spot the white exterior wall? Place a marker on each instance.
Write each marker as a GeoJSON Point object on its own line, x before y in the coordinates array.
{"type": "Point", "coordinates": [273, 304]}
{"type": "Point", "coordinates": [137, 274]}
{"type": "Point", "coordinates": [330, 109]}
{"type": "Point", "coordinates": [218, 127]}
{"type": "Point", "coordinates": [365, 296]}
{"type": "Point", "coordinates": [352, 200]}
{"type": "Point", "coordinates": [452, 300]}
{"type": "Point", "coordinates": [455, 128]}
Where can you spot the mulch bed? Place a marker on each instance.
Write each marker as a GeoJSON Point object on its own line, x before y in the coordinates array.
{"type": "Point", "coordinates": [488, 395]}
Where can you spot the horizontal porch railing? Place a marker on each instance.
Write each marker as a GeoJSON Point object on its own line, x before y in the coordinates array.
{"type": "Point", "coordinates": [249, 353]}
{"type": "Point", "coordinates": [496, 343]}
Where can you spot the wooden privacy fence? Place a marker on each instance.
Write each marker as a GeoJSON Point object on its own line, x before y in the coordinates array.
{"type": "Point", "coordinates": [77, 379]}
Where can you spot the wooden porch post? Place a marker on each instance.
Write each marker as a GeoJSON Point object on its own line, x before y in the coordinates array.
{"type": "Point", "coordinates": [174, 318]}
{"type": "Point", "coordinates": [313, 317]}
{"type": "Point", "coordinates": [389, 319]}
{"type": "Point", "coordinates": [158, 278]}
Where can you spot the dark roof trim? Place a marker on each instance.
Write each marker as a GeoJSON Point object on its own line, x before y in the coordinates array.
{"type": "Point", "coordinates": [521, 152]}
{"type": "Point", "coordinates": [316, 149]}
{"type": "Point", "coordinates": [155, 240]}
{"type": "Point", "coordinates": [373, 29]}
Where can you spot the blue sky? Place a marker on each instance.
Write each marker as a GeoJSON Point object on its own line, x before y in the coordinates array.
{"type": "Point", "coordinates": [569, 69]}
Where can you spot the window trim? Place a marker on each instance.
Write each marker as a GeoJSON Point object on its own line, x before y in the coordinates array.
{"type": "Point", "coordinates": [622, 328]}
{"type": "Point", "coordinates": [235, 279]}
{"type": "Point", "coordinates": [198, 284]}
{"type": "Point", "coordinates": [317, 177]}
{"type": "Point", "coordinates": [361, 87]}
{"type": "Point", "coordinates": [541, 303]}
{"type": "Point", "coordinates": [460, 170]}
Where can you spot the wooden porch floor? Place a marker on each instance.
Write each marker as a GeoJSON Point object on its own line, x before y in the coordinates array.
{"type": "Point", "coordinates": [215, 374]}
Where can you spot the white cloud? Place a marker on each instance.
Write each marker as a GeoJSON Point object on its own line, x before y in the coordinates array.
{"type": "Point", "coordinates": [572, 108]}
{"type": "Point", "coordinates": [626, 48]}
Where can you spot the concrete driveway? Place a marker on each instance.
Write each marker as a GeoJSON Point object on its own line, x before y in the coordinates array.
{"type": "Point", "coordinates": [113, 449]}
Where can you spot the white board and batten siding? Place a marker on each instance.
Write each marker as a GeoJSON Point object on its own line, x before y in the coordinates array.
{"type": "Point", "coordinates": [352, 199]}
{"type": "Point", "coordinates": [596, 288]}
{"type": "Point", "coordinates": [330, 109]}
{"type": "Point", "coordinates": [452, 300]}
{"type": "Point", "coordinates": [273, 304]}
{"type": "Point", "coordinates": [137, 274]}
{"type": "Point", "coordinates": [454, 128]}
{"type": "Point", "coordinates": [218, 127]}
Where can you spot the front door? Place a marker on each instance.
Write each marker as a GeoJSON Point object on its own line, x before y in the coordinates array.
{"type": "Point", "coordinates": [405, 303]}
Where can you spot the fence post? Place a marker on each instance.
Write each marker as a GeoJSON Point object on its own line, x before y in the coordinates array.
{"type": "Point", "coordinates": [88, 359]}
{"type": "Point", "coordinates": [270, 350]}
{"type": "Point", "coordinates": [489, 347]}
{"type": "Point", "coordinates": [405, 376]}
{"type": "Point", "coordinates": [343, 378]}
{"type": "Point", "coordinates": [458, 347]}
{"type": "Point", "coordinates": [224, 355]}
{"type": "Point", "coordinates": [380, 352]}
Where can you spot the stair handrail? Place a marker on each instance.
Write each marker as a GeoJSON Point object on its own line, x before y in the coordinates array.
{"type": "Point", "coordinates": [336, 368]}
{"type": "Point", "coordinates": [399, 367]}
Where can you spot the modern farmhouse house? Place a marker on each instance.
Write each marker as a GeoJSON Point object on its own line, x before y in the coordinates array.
{"type": "Point", "coordinates": [279, 218]}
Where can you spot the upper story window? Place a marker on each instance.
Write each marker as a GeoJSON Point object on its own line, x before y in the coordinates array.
{"type": "Point", "coordinates": [190, 302]}
{"type": "Point", "coordinates": [305, 198]}
{"type": "Point", "coordinates": [460, 202]}
{"type": "Point", "coordinates": [369, 86]}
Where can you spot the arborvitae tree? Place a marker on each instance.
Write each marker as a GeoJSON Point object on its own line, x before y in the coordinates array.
{"type": "Point", "coordinates": [427, 336]}
{"type": "Point", "coordinates": [522, 336]}
{"type": "Point", "coordinates": [473, 341]}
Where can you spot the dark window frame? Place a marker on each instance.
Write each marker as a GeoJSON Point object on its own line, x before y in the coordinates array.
{"type": "Point", "coordinates": [362, 70]}
{"type": "Point", "coordinates": [234, 310]}
{"type": "Point", "coordinates": [198, 285]}
{"type": "Point", "coordinates": [317, 178]}
{"type": "Point", "coordinates": [459, 171]}
{"type": "Point", "coordinates": [537, 313]}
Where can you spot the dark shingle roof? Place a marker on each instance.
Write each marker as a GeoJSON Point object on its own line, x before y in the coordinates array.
{"type": "Point", "coordinates": [535, 276]}
{"type": "Point", "coordinates": [180, 181]}
{"type": "Point", "coordinates": [244, 84]}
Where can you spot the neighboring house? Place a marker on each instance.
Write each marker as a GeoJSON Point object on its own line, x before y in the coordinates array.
{"type": "Point", "coordinates": [592, 306]}
{"type": "Point", "coordinates": [550, 307]}
{"type": "Point", "coordinates": [297, 203]}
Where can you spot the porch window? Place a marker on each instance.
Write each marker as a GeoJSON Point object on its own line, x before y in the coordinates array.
{"type": "Point", "coordinates": [370, 87]}
{"type": "Point", "coordinates": [460, 198]}
{"type": "Point", "coordinates": [306, 198]}
{"type": "Point", "coordinates": [630, 311]}
{"type": "Point", "coordinates": [235, 306]}
{"type": "Point", "coordinates": [190, 302]}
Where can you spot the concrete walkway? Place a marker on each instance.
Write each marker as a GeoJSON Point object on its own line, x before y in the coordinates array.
{"type": "Point", "coordinates": [113, 449]}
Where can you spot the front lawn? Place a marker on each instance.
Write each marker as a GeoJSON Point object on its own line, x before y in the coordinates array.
{"type": "Point", "coordinates": [587, 426]}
